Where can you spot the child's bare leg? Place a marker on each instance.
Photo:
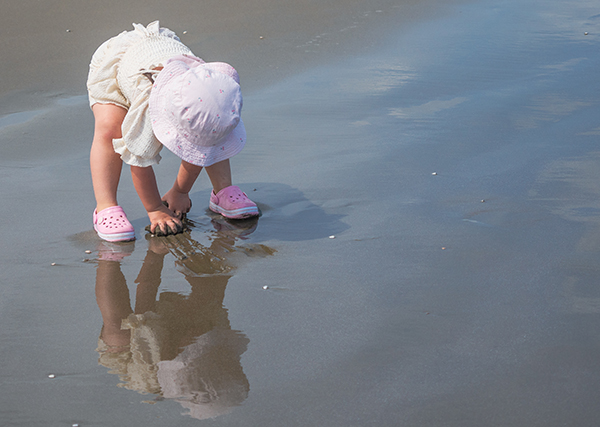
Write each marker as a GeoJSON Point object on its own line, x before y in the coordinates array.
{"type": "Point", "coordinates": [105, 164]}
{"type": "Point", "coordinates": [228, 200]}
{"type": "Point", "coordinates": [220, 175]}
{"type": "Point", "coordinates": [160, 216]}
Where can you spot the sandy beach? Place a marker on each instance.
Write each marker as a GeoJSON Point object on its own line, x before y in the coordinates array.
{"type": "Point", "coordinates": [427, 250]}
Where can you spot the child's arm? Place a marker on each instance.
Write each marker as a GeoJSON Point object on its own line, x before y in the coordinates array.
{"type": "Point", "coordinates": [178, 197]}
{"type": "Point", "coordinates": [160, 216]}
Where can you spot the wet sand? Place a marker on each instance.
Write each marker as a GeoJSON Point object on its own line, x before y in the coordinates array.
{"type": "Point", "coordinates": [449, 150]}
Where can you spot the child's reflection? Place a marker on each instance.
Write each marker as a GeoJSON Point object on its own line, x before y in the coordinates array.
{"type": "Point", "coordinates": [178, 346]}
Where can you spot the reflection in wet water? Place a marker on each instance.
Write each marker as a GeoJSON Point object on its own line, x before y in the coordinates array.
{"type": "Point", "coordinates": [569, 189]}
{"type": "Point", "coordinates": [384, 76]}
{"type": "Point", "coordinates": [177, 346]}
{"type": "Point", "coordinates": [548, 108]}
{"type": "Point", "coordinates": [427, 110]}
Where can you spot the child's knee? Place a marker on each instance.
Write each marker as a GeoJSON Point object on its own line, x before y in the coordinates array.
{"type": "Point", "coordinates": [108, 120]}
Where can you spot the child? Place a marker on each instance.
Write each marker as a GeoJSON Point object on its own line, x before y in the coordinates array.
{"type": "Point", "coordinates": [147, 90]}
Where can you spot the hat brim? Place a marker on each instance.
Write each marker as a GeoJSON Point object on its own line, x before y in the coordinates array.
{"type": "Point", "coordinates": [168, 135]}
{"type": "Point", "coordinates": [199, 155]}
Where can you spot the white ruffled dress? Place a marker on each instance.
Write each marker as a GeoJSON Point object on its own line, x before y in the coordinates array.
{"type": "Point", "coordinates": [118, 75]}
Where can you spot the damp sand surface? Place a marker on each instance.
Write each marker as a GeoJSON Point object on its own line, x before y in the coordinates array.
{"type": "Point", "coordinates": [427, 251]}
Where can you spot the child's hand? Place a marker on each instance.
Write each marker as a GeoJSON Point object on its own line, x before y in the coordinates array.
{"type": "Point", "coordinates": [179, 203]}
{"type": "Point", "coordinates": [162, 220]}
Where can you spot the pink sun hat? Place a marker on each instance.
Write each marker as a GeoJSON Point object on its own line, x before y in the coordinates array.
{"type": "Point", "coordinates": [195, 109]}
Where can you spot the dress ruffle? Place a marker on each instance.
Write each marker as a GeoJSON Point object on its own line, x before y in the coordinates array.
{"type": "Point", "coordinates": [117, 77]}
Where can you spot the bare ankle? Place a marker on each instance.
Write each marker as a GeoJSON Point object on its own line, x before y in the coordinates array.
{"type": "Point", "coordinates": [101, 206]}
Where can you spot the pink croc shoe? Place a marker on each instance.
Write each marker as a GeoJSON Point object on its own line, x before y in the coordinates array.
{"type": "Point", "coordinates": [112, 225]}
{"type": "Point", "coordinates": [232, 203]}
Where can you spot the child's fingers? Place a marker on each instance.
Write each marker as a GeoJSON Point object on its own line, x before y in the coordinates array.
{"type": "Point", "coordinates": [178, 227]}
{"type": "Point", "coordinates": [159, 228]}
{"type": "Point", "coordinates": [166, 227]}
{"type": "Point", "coordinates": [173, 227]}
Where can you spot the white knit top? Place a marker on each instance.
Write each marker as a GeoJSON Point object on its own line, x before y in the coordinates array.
{"type": "Point", "coordinates": [117, 76]}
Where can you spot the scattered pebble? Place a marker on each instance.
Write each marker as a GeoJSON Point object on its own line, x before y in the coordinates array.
{"type": "Point", "coordinates": [265, 287]}
{"type": "Point", "coordinates": [261, 37]}
{"type": "Point", "coordinates": [434, 173]}
{"type": "Point", "coordinates": [185, 32]}
{"type": "Point", "coordinates": [75, 425]}
{"type": "Point", "coordinates": [51, 376]}
{"type": "Point", "coordinates": [482, 200]}
{"type": "Point", "coordinates": [585, 34]}
{"type": "Point", "coordinates": [53, 263]}
{"type": "Point", "coordinates": [68, 31]}
{"type": "Point", "coordinates": [332, 237]}
{"type": "Point", "coordinates": [88, 252]}
{"type": "Point", "coordinates": [443, 248]}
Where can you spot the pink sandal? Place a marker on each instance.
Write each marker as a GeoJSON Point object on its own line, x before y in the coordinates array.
{"type": "Point", "coordinates": [112, 225]}
{"type": "Point", "coordinates": [231, 202]}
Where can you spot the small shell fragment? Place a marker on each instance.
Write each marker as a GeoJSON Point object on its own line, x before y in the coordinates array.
{"type": "Point", "coordinates": [482, 200]}
{"type": "Point", "coordinates": [68, 31]}
{"type": "Point", "coordinates": [332, 237]}
{"type": "Point", "coordinates": [434, 173]}
{"type": "Point", "coordinates": [88, 252]}
{"type": "Point", "coordinates": [265, 287]}
{"type": "Point", "coordinates": [51, 376]}
{"type": "Point", "coordinates": [53, 263]}
{"type": "Point", "coordinates": [261, 37]}
{"type": "Point", "coordinates": [585, 34]}
{"type": "Point", "coordinates": [185, 32]}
